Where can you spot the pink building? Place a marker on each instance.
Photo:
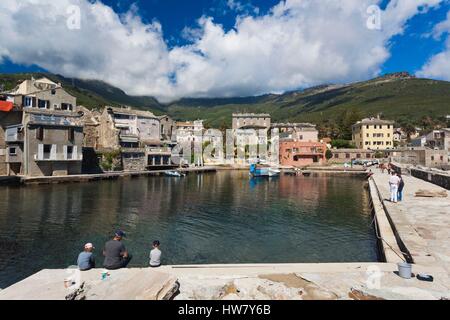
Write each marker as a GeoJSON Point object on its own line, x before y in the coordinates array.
{"type": "Point", "coordinates": [300, 153]}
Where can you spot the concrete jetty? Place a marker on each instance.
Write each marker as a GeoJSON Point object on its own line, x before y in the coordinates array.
{"type": "Point", "coordinates": [416, 229]}
{"type": "Point", "coordinates": [22, 180]}
{"type": "Point", "coordinates": [423, 224]}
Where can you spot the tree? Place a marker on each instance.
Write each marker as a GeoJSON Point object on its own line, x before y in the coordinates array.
{"type": "Point", "coordinates": [346, 121]}
{"type": "Point", "coordinates": [328, 155]}
{"type": "Point", "coordinates": [409, 130]}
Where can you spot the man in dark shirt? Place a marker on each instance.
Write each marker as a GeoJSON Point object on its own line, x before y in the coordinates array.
{"type": "Point", "coordinates": [116, 255]}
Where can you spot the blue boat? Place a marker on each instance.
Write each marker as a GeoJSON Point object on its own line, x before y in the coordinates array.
{"type": "Point", "coordinates": [256, 172]}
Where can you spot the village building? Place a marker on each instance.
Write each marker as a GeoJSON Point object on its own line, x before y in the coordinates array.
{"type": "Point", "coordinates": [41, 133]}
{"type": "Point", "coordinates": [168, 129]}
{"type": "Point", "coordinates": [306, 132]}
{"type": "Point", "coordinates": [373, 134]}
{"type": "Point", "coordinates": [189, 131]}
{"type": "Point", "coordinates": [347, 155]}
{"type": "Point", "coordinates": [302, 153]}
{"type": "Point", "coordinates": [419, 156]}
{"type": "Point", "coordinates": [42, 94]}
{"type": "Point", "coordinates": [137, 134]}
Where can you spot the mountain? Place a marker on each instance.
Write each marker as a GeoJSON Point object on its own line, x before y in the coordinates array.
{"type": "Point", "coordinates": [89, 93]}
{"type": "Point", "coordinates": [398, 96]}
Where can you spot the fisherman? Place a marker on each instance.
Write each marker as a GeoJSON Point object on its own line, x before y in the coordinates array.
{"type": "Point", "coordinates": [155, 255]}
{"type": "Point", "coordinates": [86, 260]}
{"type": "Point", "coordinates": [116, 255]}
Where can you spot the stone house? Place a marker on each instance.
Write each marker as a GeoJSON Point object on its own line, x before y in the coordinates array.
{"type": "Point", "coordinates": [347, 155]}
{"type": "Point", "coordinates": [168, 129]}
{"type": "Point", "coordinates": [137, 134]}
{"type": "Point", "coordinates": [46, 143]}
{"type": "Point", "coordinates": [41, 94]}
{"type": "Point", "coordinates": [41, 135]}
{"type": "Point", "coordinates": [427, 157]}
{"type": "Point", "coordinates": [297, 131]}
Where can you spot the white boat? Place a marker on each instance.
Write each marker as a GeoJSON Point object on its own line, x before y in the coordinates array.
{"type": "Point", "coordinates": [174, 174]}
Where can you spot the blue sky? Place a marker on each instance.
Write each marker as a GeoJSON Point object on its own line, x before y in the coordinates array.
{"type": "Point", "coordinates": [183, 59]}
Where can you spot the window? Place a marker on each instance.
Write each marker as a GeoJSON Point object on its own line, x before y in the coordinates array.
{"type": "Point", "coordinates": [367, 127]}
{"type": "Point", "coordinates": [71, 136]}
{"type": "Point", "coordinates": [336, 156]}
{"type": "Point", "coordinates": [28, 102]}
{"type": "Point", "coordinates": [12, 151]}
{"type": "Point", "coordinates": [368, 156]}
{"type": "Point", "coordinates": [69, 152]}
{"type": "Point", "coordinates": [43, 104]}
{"type": "Point", "coordinates": [66, 106]}
{"type": "Point", "coordinates": [347, 155]}
{"type": "Point", "coordinates": [53, 92]}
{"type": "Point", "coordinates": [47, 151]}
{"type": "Point", "coordinates": [40, 133]}
{"type": "Point", "coordinates": [432, 158]}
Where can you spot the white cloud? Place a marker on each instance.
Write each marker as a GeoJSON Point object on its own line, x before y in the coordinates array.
{"type": "Point", "coordinates": [438, 66]}
{"type": "Point", "coordinates": [242, 7]}
{"type": "Point", "coordinates": [298, 43]}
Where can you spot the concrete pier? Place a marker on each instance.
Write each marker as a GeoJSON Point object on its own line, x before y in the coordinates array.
{"type": "Point", "coordinates": [423, 224]}
{"type": "Point", "coordinates": [415, 229]}
{"type": "Point", "coordinates": [22, 180]}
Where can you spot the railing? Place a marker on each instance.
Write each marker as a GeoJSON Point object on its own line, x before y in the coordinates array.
{"type": "Point", "coordinates": [58, 157]}
{"type": "Point", "coordinates": [158, 150]}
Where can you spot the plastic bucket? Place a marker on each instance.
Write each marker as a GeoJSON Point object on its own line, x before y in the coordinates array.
{"type": "Point", "coordinates": [405, 270]}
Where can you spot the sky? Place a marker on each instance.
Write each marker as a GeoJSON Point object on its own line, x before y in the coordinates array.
{"type": "Point", "coordinates": [222, 48]}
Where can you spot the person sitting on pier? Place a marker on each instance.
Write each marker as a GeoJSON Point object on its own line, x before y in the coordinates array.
{"type": "Point", "coordinates": [86, 260]}
{"type": "Point", "coordinates": [116, 255]}
{"type": "Point", "coordinates": [155, 255]}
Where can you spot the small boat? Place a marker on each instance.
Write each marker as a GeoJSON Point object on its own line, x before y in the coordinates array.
{"type": "Point", "coordinates": [256, 172]}
{"type": "Point", "coordinates": [174, 174]}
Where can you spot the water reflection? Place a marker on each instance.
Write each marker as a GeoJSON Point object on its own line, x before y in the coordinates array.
{"type": "Point", "coordinates": [209, 218]}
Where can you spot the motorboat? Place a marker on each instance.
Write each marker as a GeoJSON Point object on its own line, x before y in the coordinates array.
{"type": "Point", "coordinates": [256, 172]}
{"type": "Point", "coordinates": [174, 174]}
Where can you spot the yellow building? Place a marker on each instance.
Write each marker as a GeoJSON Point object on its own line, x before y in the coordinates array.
{"type": "Point", "coordinates": [373, 134]}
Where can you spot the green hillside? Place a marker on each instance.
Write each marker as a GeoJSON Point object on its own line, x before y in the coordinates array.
{"type": "Point", "coordinates": [399, 97]}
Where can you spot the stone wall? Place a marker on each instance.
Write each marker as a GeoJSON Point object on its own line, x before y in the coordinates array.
{"type": "Point", "coordinates": [436, 178]}
{"type": "Point", "coordinates": [134, 164]}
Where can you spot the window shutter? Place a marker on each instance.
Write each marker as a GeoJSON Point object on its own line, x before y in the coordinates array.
{"type": "Point", "coordinates": [75, 153]}
{"type": "Point", "coordinates": [65, 152]}
{"type": "Point", "coordinates": [40, 152]}
{"type": "Point", "coordinates": [53, 152]}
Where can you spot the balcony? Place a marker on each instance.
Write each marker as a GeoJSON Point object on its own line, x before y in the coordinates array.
{"type": "Point", "coordinates": [47, 157]}
{"type": "Point", "coordinates": [14, 134]}
{"type": "Point", "coordinates": [158, 150]}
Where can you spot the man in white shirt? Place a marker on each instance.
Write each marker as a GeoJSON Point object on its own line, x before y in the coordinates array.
{"type": "Point", "coordinates": [155, 255]}
{"type": "Point", "coordinates": [394, 182]}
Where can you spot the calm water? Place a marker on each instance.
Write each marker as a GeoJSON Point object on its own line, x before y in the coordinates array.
{"type": "Point", "coordinates": [208, 218]}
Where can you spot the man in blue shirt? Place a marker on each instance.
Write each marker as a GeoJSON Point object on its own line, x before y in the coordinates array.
{"type": "Point", "coordinates": [86, 260]}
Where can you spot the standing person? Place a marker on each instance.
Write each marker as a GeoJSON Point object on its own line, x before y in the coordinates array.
{"type": "Point", "coordinates": [116, 255]}
{"type": "Point", "coordinates": [86, 259]}
{"type": "Point", "coordinates": [155, 255]}
{"type": "Point", "coordinates": [394, 182]}
{"type": "Point", "coordinates": [401, 186]}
